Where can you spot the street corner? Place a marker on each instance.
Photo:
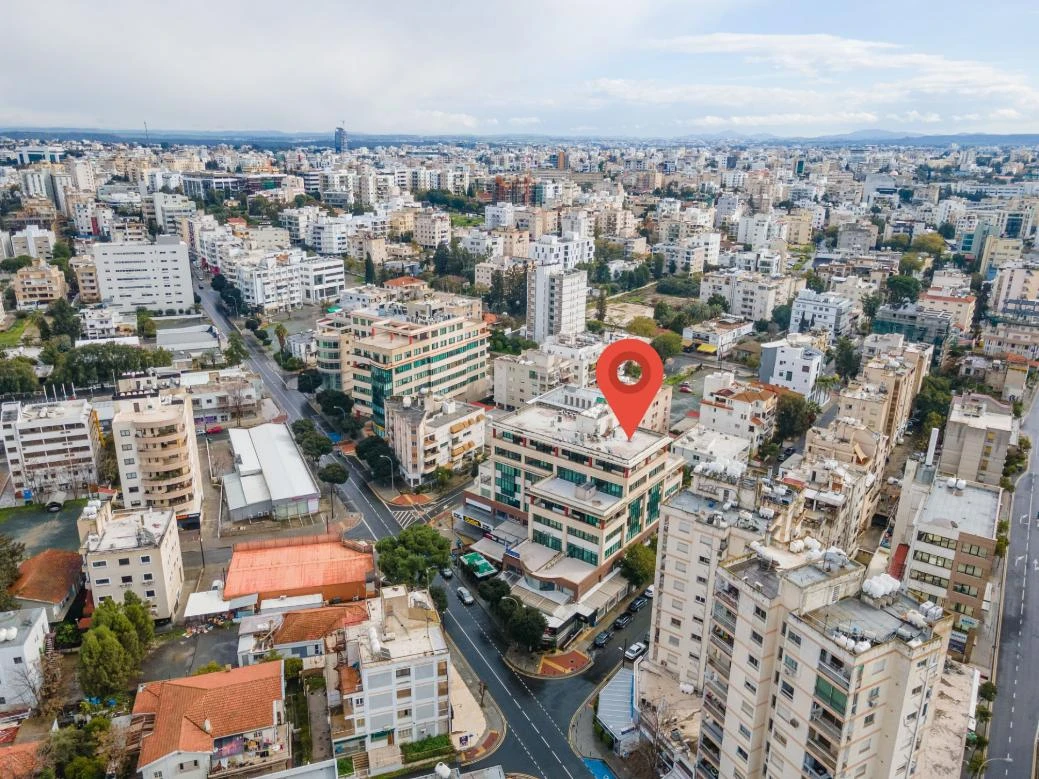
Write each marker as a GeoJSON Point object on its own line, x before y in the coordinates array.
{"type": "Point", "coordinates": [409, 500]}
{"type": "Point", "coordinates": [491, 741]}
{"type": "Point", "coordinates": [555, 665]}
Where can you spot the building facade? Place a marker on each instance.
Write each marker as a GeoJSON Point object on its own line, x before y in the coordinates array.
{"type": "Point", "coordinates": [51, 446]}
{"type": "Point", "coordinates": [428, 433]}
{"type": "Point", "coordinates": [138, 275]}
{"type": "Point", "coordinates": [557, 301]}
{"type": "Point", "coordinates": [977, 435]}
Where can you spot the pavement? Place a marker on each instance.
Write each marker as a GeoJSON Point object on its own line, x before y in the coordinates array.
{"type": "Point", "coordinates": [320, 727]}
{"type": "Point", "coordinates": [1012, 731]}
{"type": "Point", "coordinates": [478, 729]}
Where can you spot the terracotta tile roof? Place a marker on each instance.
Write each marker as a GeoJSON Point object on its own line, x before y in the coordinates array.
{"type": "Point", "coordinates": [19, 761]}
{"type": "Point", "coordinates": [233, 701]}
{"type": "Point", "coordinates": [315, 624]}
{"type": "Point", "coordinates": [294, 565]}
{"type": "Point", "coordinates": [349, 679]}
{"type": "Point", "coordinates": [402, 281]}
{"type": "Point", "coordinates": [48, 576]}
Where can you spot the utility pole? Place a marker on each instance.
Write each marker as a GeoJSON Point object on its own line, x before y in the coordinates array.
{"type": "Point", "coordinates": [483, 690]}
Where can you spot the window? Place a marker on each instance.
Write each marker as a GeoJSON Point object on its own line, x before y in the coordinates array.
{"type": "Point", "coordinates": [760, 613]}
{"type": "Point", "coordinates": [788, 690]}
{"type": "Point", "coordinates": [753, 661]}
{"type": "Point", "coordinates": [675, 622]}
{"type": "Point", "coordinates": [147, 577]}
{"type": "Point", "coordinates": [99, 564]}
{"type": "Point", "coordinates": [124, 561]}
{"type": "Point", "coordinates": [131, 475]}
{"type": "Point", "coordinates": [974, 549]}
{"type": "Point", "coordinates": [744, 731]}
{"type": "Point", "coordinates": [149, 593]}
{"type": "Point", "coordinates": [18, 661]}
{"type": "Point", "coordinates": [127, 461]}
{"type": "Point", "coordinates": [756, 637]}
{"type": "Point", "coordinates": [742, 753]}
{"type": "Point", "coordinates": [127, 447]}
{"type": "Point", "coordinates": [931, 538]}
{"type": "Point", "coordinates": [128, 580]}
{"type": "Point", "coordinates": [126, 434]}
{"type": "Point", "coordinates": [146, 559]}
{"type": "Point", "coordinates": [101, 582]}
{"type": "Point", "coordinates": [970, 570]}
{"type": "Point", "coordinates": [870, 718]}
{"type": "Point", "coordinates": [751, 687]}
{"type": "Point", "coordinates": [793, 638]}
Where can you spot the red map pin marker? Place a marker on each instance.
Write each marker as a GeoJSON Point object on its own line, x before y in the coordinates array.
{"type": "Point", "coordinates": [629, 401]}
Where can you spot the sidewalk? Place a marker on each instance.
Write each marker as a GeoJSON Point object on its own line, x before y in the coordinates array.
{"type": "Point", "coordinates": [555, 664]}
{"type": "Point", "coordinates": [584, 742]}
{"type": "Point", "coordinates": [483, 727]}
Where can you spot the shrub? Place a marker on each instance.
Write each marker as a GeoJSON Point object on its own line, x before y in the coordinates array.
{"type": "Point", "coordinates": [434, 746]}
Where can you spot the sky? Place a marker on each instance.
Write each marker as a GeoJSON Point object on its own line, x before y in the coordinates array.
{"type": "Point", "coordinates": [649, 68]}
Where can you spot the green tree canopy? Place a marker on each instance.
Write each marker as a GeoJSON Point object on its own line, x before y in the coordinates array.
{"type": "Point", "coordinates": [104, 668]}
{"type": "Point", "coordinates": [815, 282]}
{"type": "Point", "coordinates": [11, 555]}
{"type": "Point", "coordinates": [794, 415]}
{"type": "Point", "coordinates": [526, 627]}
{"type": "Point", "coordinates": [406, 558]}
{"type": "Point", "coordinates": [642, 326]}
{"type": "Point", "coordinates": [309, 380]}
{"type": "Point", "coordinates": [846, 360]}
{"type": "Point", "coordinates": [667, 345]}
{"type": "Point", "coordinates": [929, 243]}
{"type": "Point", "coordinates": [65, 319]}
{"type": "Point", "coordinates": [718, 300]}
{"type": "Point", "coordinates": [333, 473]}
{"type": "Point", "coordinates": [639, 564]}
{"type": "Point", "coordinates": [781, 316]}
{"type": "Point", "coordinates": [902, 287]}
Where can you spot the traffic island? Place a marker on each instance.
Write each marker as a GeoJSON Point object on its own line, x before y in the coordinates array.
{"type": "Point", "coordinates": [548, 665]}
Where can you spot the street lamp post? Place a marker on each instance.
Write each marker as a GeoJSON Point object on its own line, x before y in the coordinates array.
{"type": "Point", "coordinates": [392, 481]}
{"type": "Point", "coordinates": [981, 770]}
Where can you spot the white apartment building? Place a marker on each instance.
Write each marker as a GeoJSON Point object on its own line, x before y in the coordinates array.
{"type": "Point", "coordinates": [154, 434]}
{"type": "Point", "coordinates": [816, 311]}
{"type": "Point", "coordinates": [323, 280]}
{"type": "Point", "coordinates": [683, 256]}
{"type": "Point", "coordinates": [103, 323]}
{"type": "Point", "coordinates": [759, 231]}
{"type": "Point", "coordinates": [570, 250]}
{"type": "Point", "coordinates": [388, 678]}
{"type": "Point", "coordinates": [33, 241]}
{"type": "Point", "coordinates": [23, 642]}
{"type": "Point", "coordinates": [739, 409]}
{"type": "Point", "coordinates": [793, 365]}
{"type": "Point", "coordinates": [499, 215]}
{"type": "Point", "coordinates": [578, 222]}
{"type": "Point", "coordinates": [170, 210]}
{"type": "Point", "coordinates": [483, 274]}
{"type": "Point", "coordinates": [137, 550]}
{"type": "Point", "coordinates": [432, 228]}
{"type": "Point", "coordinates": [977, 435]}
{"type": "Point", "coordinates": [750, 295]}
{"type": "Point", "coordinates": [718, 337]}
{"type": "Point", "coordinates": [51, 446]}
{"type": "Point", "coordinates": [557, 301]}
{"type": "Point", "coordinates": [1015, 282]}
{"type": "Point", "coordinates": [815, 671]}
{"type": "Point", "coordinates": [154, 276]}
{"type": "Point", "coordinates": [429, 432]}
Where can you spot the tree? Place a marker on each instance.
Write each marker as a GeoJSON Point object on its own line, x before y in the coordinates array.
{"type": "Point", "coordinates": [439, 596]}
{"type": "Point", "coordinates": [281, 333]}
{"type": "Point", "coordinates": [235, 351]}
{"type": "Point", "coordinates": [211, 667]}
{"type": "Point", "coordinates": [219, 283]}
{"type": "Point", "coordinates": [947, 230]}
{"type": "Point", "coordinates": [870, 304]}
{"type": "Point", "coordinates": [718, 300]}
{"type": "Point", "coordinates": [929, 243]}
{"type": "Point", "coordinates": [910, 264]}
{"type": "Point", "coordinates": [104, 668]}
{"type": "Point", "coordinates": [369, 269]}
{"type": "Point", "coordinates": [638, 564]}
{"type": "Point", "coordinates": [137, 612]}
{"type": "Point", "coordinates": [315, 445]}
{"type": "Point", "coordinates": [407, 558]}
{"type": "Point", "coordinates": [64, 318]}
{"type": "Point", "coordinates": [982, 713]}
{"type": "Point", "coordinates": [15, 264]}
{"type": "Point", "coordinates": [145, 325]}
{"type": "Point", "coordinates": [642, 326]}
{"type": "Point", "coordinates": [492, 591]}
{"type": "Point", "coordinates": [334, 402]}
{"type": "Point", "coordinates": [903, 287]}
{"type": "Point", "coordinates": [846, 360]}
{"type": "Point", "coordinates": [11, 555]}
{"type": "Point", "coordinates": [761, 325]}
{"type": "Point", "coordinates": [309, 381]}
{"type": "Point", "coordinates": [600, 306]}
{"type": "Point", "coordinates": [987, 691]}
{"type": "Point", "coordinates": [526, 627]}
{"type": "Point", "coordinates": [658, 266]}
{"type": "Point", "coordinates": [815, 282]}
{"type": "Point", "coordinates": [333, 473]}
{"type": "Point", "coordinates": [794, 415]}
{"type": "Point", "coordinates": [781, 316]}
{"type": "Point", "coordinates": [109, 614]}
{"type": "Point", "coordinates": [667, 345]}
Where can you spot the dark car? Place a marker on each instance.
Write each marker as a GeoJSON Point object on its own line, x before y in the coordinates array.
{"type": "Point", "coordinates": [622, 621]}
{"type": "Point", "coordinates": [602, 639]}
{"type": "Point", "coordinates": [638, 604]}
{"type": "Point", "coordinates": [789, 451]}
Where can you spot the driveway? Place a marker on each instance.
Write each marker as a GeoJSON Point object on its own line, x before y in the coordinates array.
{"type": "Point", "coordinates": [178, 657]}
{"type": "Point", "coordinates": [320, 730]}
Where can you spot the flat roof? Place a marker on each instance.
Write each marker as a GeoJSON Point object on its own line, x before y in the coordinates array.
{"type": "Point", "coordinates": [974, 509]}
{"type": "Point", "coordinates": [874, 623]}
{"type": "Point", "coordinates": [269, 450]}
{"type": "Point", "coordinates": [133, 529]}
{"type": "Point", "coordinates": [567, 492]}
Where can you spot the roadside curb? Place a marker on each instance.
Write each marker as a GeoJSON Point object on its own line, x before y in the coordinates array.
{"type": "Point", "coordinates": [547, 677]}
{"type": "Point", "coordinates": [572, 727]}
{"type": "Point", "coordinates": [500, 732]}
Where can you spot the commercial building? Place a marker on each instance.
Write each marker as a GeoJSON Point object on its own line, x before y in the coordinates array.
{"type": "Point", "coordinates": [559, 360]}
{"type": "Point", "coordinates": [825, 311]}
{"type": "Point", "coordinates": [750, 295]}
{"type": "Point", "coordinates": [814, 670]}
{"type": "Point", "coordinates": [51, 446]}
{"type": "Point", "coordinates": [428, 433]}
{"type": "Point", "coordinates": [229, 723]}
{"type": "Point", "coordinates": [718, 337]}
{"type": "Point", "coordinates": [743, 410]}
{"type": "Point", "coordinates": [977, 434]}
{"type": "Point", "coordinates": [793, 364]}
{"type": "Point", "coordinates": [22, 655]}
{"type": "Point", "coordinates": [136, 550]}
{"type": "Point", "coordinates": [944, 544]}
{"type": "Point", "coordinates": [270, 476]}
{"type": "Point", "coordinates": [557, 301]}
{"type": "Point", "coordinates": [154, 276]}
{"type": "Point", "coordinates": [154, 435]}
{"type": "Point", "coordinates": [38, 285]}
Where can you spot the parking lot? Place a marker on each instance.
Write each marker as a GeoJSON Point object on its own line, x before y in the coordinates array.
{"type": "Point", "coordinates": [38, 529]}
{"type": "Point", "coordinates": [182, 656]}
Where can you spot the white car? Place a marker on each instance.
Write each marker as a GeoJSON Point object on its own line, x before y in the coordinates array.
{"type": "Point", "coordinates": [635, 651]}
{"type": "Point", "coordinates": [649, 591]}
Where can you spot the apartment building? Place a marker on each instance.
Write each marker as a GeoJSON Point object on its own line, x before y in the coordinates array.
{"type": "Point", "coordinates": [958, 304]}
{"type": "Point", "coordinates": [38, 285]}
{"type": "Point", "coordinates": [155, 276]}
{"type": "Point", "coordinates": [103, 323]}
{"type": "Point", "coordinates": [883, 395]}
{"type": "Point", "coordinates": [22, 655]}
{"type": "Point", "coordinates": [750, 295]}
{"type": "Point", "coordinates": [685, 256]}
{"type": "Point", "coordinates": [997, 252]}
{"type": "Point", "coordinates": [1018, 281]}
{"type": "Point", "coordinates": [813, 670]}
{"type": "Point", "coordinates": [323, 280]}
{"type": "Point", "coordinates": [483, 273]}
{"type": "Point", "coordinates": [432, 228]}
{"type": "Point", "coordinates": [580, 492]}
{"type": "Point", "coordinates": [154, 434]}
{"type": "Point", "coordinates": [51, 446]}
{"type": "Point", "coordinates": [136, 550]}
{"type": "Point", "coordinates": [388, 677]}
{"type": "Point", "coordinates": [1005, 339]}
{"type": "Point", "coordinates": [944, 544]}
{"type": "Point", "coordinates": [793, 363]}
{"type": "Point", "coordinates": [499, 215]}
{"type": "Point", "coordinates": [226, 397]}
{"type": "Point", "coordinates": [821, 311]}
{"type": "Point", "coordinates": [86, 279]}
{"type": "Point", "coordinates": [33, 241]}
{"type": "Point", "coordinates": [918, 325]}
{"type": "Point", "coordinates": [429, 432]}
{"type": "Point", "coordinates": [857, 237]}
{"type": "Point", "coordinates": [231, 723]}
{"type": "Point", "coordinates": [437, 344]}
{"type": "Point", "coordinates": [568, 250]}
{"type": "Point", "coordinates": [734, 407]}
{"type": "Point", "coordinates": [557, 301]}
{"type": "Point", "coordinates": [698, 444]}
{"type": "Point", "coordinates": [977, 434]}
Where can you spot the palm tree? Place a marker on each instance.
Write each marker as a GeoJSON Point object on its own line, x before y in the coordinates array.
{"type": "Point", "coordinates": [281, 333]}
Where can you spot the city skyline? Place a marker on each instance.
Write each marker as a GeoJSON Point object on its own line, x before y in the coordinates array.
{"type": "Point", "coordinates": [649, 69]}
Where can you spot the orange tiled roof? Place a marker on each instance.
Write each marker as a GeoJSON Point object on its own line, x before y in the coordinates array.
{"type": "Point", "coordinates": [265, 568]}
{"type": "Point", "coordinates": [48, 576]}
{"type": "Point", "coordinates": [402, 281]}
{"type": "Point", "coordinates": [19, 761]}
{"type": "Point", "coordinates": [315, 624]}
{"type": "Point", "coordinates": [232, 701]}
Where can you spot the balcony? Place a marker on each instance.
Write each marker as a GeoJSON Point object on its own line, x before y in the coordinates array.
{"type": "Point", "coordinates": [720, 688]}
{"type": "Point", "coordinates": [712, 729]}
{"type": "Point", "coordinates": [715, 707]}
{"type": "Point", "coordinates": [813, 769]}
{"type": "Point", "coordinates": [724, 617]}
{"type": "Point", "coordinates": [709, 750]}
{"type": "Point", "coordinates": [839, 675]}
{"type": "Point", "coordinates": [342, 727]}
{"type": "Point", "coordinates": [823, 750]}
{"type": "Point", "coordinates": [720, 662]}
{"type": "Point", "coordinates": [729, 597]}
{"type": "Point", "coordinates": [722, 641]}
{"type": "Point", "coordinates": [706, 770]}
{"type": "Point", "coordinates": [827, 724]}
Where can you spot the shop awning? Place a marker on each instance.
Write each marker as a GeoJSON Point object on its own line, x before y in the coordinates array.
{"type": "Point", "coordinates": [707, 348]}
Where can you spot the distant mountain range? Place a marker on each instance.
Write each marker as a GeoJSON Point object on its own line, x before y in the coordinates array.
{"type": "Point", "coordinates": [276, 139]}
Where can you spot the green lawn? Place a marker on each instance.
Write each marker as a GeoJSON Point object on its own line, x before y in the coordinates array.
{"type": "Point", "coordinates": [12, 336]}
{"type": "Point", "coordinates": [466, 220]}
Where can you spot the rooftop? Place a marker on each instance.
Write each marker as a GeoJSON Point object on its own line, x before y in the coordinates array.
{"type": "Point", "coordinates": [21, 622]}
{"type": "Point", "coordinates": [131, 529]}
{"type": "Point", "coordinates": [267, 467]}
{"type": "Point", "coordinates": [48, 576]}
{"type": "Point", "coordinates": [972, 508]}
{"type": "Point", "coordinates": [982, 412]}
{"type": "Point", "coordinates": [75, 410]}
{"type": "Point", "coordinates": [859, 616]}
{"type": "Point", "coordinates": [401, 624]}
{"type": "Point", "coordinates": [296, 564]}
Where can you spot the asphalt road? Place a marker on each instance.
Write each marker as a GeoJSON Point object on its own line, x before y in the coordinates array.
{"type": "Point", "coordinates": [1016, 710]}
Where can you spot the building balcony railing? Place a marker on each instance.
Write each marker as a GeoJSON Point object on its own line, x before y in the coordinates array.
{"type": "Point", "coordinates": [724, 618]}
{"type": "Point", "coordinates": [710, 751]}
{"type": "Point", "coordinates": [826, 724]}
{"type": "Point", "coordinates": [720, 662]}
{"type": "Point", "coordinates": [825, 753]}
{"type": "Point", "coordinates": [720, 687]}
{"type": "Point", "coordinates": [814, 770]}
{"type": "Point", "coordinates": [838, 675]}
{"type": "Point", "coordinates": [728, 597]}
{"type": "Point", "coordinates": [706, 770]}
{"type": "Point", "coordinates": [723, 644]}
{"type": "Point", "coordinates": [711, 728]}
{"type": "Point", "coordinates": [714, 706]}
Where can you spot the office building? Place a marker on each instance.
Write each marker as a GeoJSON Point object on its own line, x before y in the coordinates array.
{"type": "Point", "coordinates": [917, 325]}
{"type": "Point", "coordinates": [33, 242]}
{"type": "Point", "coordinates": [814, 312]}
{"type": "Point", "coordinates": [340, 144]}
{"type": "Point", "coordinates": [557, 301]}
{"type": "Point", "coordinates": [428, 433]}
{"type": "Point", "coordinates": [136, 550]}
{"type": "Point", "coordinates": [977, 435]}
{"type": "Point", "coordinates": [51, 446]}
{"type": "Point", "coordinates": [154, 276]}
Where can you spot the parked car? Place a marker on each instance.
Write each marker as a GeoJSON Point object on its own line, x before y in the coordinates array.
{"type": "Point", "coordinates": [602, 639]}
{"type": "Point", "coordinates": [638, 604]}
{"type": "Point", "coordinates": [622, 621]}
{"type": "Point", "coordinates": [635, 651]}
{"type": "Point", "coordinates": [685, 388]}
{"type": "Point", "coordinates": [649, 591]}
{"type": "Point", "coordinates": [465, 596]}
{"type": "Point", "coordinates": [789, 451]}
{"type": "Point", "coordinates": [447, 573]}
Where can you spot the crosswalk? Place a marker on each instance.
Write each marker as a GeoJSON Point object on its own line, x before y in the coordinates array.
{"type": "Point", "coordinates": [406, 518]}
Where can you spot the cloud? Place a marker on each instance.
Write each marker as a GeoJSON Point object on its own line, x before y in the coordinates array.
{"type": "Point", "coordinates": [781, 120]}
{"type": "Point", "coordinates": [915, 117]}
{"type": "Point", "coordinates": [444, 121]}
{"type": "Point", "coordinates": [524, 121]}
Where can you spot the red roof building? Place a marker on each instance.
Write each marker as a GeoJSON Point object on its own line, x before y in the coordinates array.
{"type": "Point", "coordinates": [51, 579]}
